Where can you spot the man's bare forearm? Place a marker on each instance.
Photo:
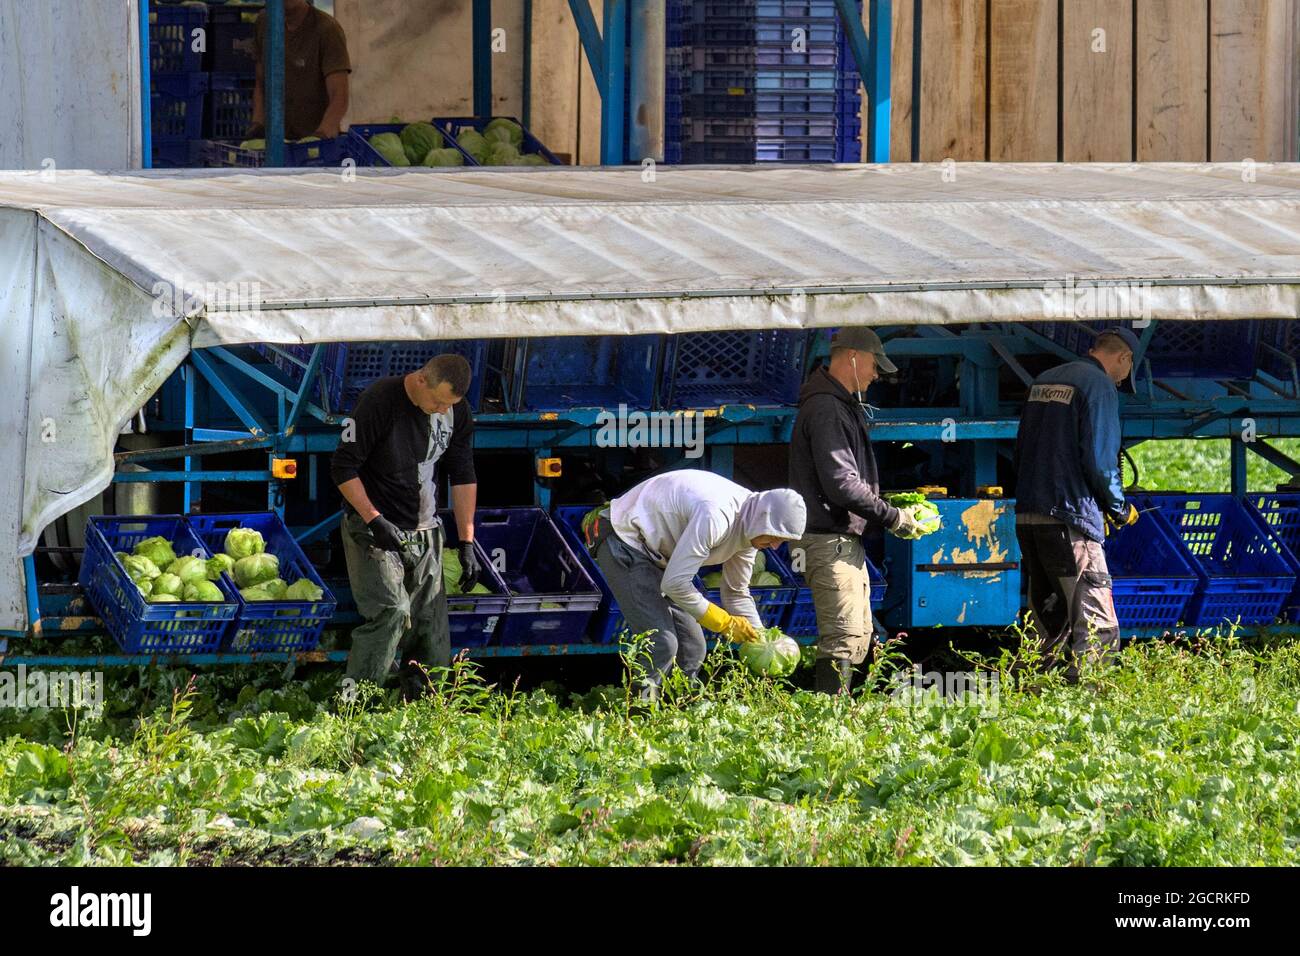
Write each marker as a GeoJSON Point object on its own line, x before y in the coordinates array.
{"type": "Point", "coordinates": [336, 85]}
{"type": "Point", "coordinates": [355, 493]}
{"type": "Point", "coordinates": [464, 499]}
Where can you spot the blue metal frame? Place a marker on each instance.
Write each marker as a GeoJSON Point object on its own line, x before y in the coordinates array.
{"type": "Point", "coordinates": [878, 77]}
{"type": "Point", "coordinates": [482, 41]}
{"type": "Point", "coordinates": [146, 91]}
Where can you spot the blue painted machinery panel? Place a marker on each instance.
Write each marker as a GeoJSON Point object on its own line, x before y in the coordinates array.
{"type": "Point", "coordinates": [965, 574]}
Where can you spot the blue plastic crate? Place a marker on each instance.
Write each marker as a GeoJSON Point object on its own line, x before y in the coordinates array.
{"type": "Point", "coordinates": [475, 618]}
{"type": "Point", "coordinates": [1243, 571]}
{"type": "Point", "coordinates": [760, 151]}
{"type": "Point", "coordinates": [608, 621]}
{"type": "Point", "coordinates": [1282, 335]}
{"type": "Point", "coordinates": [232, 36]}
{"type": "Point", "coordinates": [708, 369]}
{"type": "Point", "coordinates": [703, 11]}
{"type": "Point", "coordinates": [322, 152]}
{"type": "Point", "coordinates": [772, 602]}
{"type": "Point", "coordinates": [176, 106]}
{"type": "Point", "coordinates": [802, 619]}
{"type": "Point", "coordinates": [230, 106]}
{"type": "Point", "coordinates": [363, 154]}
{"type": "Point", "coordinates": [348, 368]}
{"type": "Point", "coordinates": [585, 371]}
{"type": "Point", "coordinates": [552, 597]}
{"type": "Point", "coordinates": [176, 627]}
{"type": "Point", "coordinates": [753, 57]}
{"type": "Point", "coordinates": [270, 625]}
{"type": "Point", "coordinates": [1178, 349]}
{"type": "Point", "coordinates": [741, 83]}
{"type": "Point", "coordinates": [790, 102]}
{"type": "Point", "coordinates": [763, 33]}
{"type": "Point", "coordinates": [451, 126]}
{"type": "Point", "coordinates": [1152, 579]}
{"type": "Point", "coordinates": [169, 153]}
{"type": "Point", "coordinates": [747, 129]}
{"type": "Point", "coordinates": [1280, 513]}
{"type": "Point", "coordinates": [171, 39]}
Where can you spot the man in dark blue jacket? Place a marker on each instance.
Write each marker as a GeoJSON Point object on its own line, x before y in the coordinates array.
{"type": "Point", "coordinates": [1068, 490]}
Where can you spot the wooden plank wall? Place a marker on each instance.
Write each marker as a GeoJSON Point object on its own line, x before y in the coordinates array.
{"type": "Point", "coordinates": [1098, 80]}
{"type": "Point", "coordinates": [1004, 80]}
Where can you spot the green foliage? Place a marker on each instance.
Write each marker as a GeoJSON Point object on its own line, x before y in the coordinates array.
{"type": "Point", "coordinates": [168, 584]}
{"type": "Point", "coordinates": [1179, 755]}
{"type": "Point", "coordinates": [1203, 465]}
{"type": "Point", "coordinates": [272, 590]}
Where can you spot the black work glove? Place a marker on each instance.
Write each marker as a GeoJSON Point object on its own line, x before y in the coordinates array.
{"type": "Point", "coordinates": [387, 535]}
{"type": "Point", "coordinates": [469, 566]}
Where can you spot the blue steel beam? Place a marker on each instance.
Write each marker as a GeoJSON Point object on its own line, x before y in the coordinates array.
{"type": "Point", "coordinates": [482, 46]}
{"type": "Point", "coordinates": [878, 80]}
{"type": "Point", "coordinates": [273, 87]}
{"type": "Point", "coordinates": [589, 35]}
{"type": "Point", "coordinates": [146, 92]}
{"type": "Point", "coordinates": [256, 427]}
{"type": "Point", "coordinates": [612, 151]}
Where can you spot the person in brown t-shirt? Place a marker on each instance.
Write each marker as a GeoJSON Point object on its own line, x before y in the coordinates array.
{"type": "Point", "coordinates": [316, 69]}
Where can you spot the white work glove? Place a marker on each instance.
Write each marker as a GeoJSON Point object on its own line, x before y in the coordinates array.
{"type": "Point", "coordinates": [906, 526]}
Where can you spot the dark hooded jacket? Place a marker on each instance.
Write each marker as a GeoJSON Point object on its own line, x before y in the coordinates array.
{"type": "Point", "coordinates": [831, 462]}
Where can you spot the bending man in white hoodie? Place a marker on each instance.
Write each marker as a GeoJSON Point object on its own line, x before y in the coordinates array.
{"type": "Point", "coordinates": [652, 541]}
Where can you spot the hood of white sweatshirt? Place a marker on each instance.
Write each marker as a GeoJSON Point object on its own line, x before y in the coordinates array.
{"type": "Point", "coordinates": [780, 513]}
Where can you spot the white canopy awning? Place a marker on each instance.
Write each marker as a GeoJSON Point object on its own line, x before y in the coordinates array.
{"type": "Point", "coordinates": [89, 263]}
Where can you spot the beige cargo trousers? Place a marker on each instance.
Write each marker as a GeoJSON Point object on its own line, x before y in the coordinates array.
{"type": "Point", "coordinates": [835, 568]}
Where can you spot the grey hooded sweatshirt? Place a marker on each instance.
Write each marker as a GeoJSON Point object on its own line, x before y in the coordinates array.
{"type": "Point", "coordinates": [684, 520]}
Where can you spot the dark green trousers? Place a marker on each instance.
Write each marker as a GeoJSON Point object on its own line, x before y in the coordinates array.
{"type": "Point", "coordinates": [401, 599]}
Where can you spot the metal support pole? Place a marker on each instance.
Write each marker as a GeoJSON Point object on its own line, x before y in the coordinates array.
{"type": "Point", "coordinates": [527, 116]}
{"type": "Point", "coordinates": [482, 44]}
{"type": "Point", "coordinates": [878, 80]}
{"type": "Point", "coordinates": [612, 151]}
{"type": "Point", "coordinates": [188, 376]}
{"type": "Point", "coordinates": [647, 29]}
{"type": "Point", "coordinates": [1239, 482]}
{"type": "Point", "coordinates": [146, 93]}
{"type": "Point", "coordinates": [273, 88]}
{"type": "Point", "coordinates": [917, 45]}
{"type": "Point", "coordinates": [33, 597]}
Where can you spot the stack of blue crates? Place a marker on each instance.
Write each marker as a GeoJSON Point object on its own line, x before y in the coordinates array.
{"type": "Point", "coordinates": [232, 65]}
{"type": "Point", "coordinates": [753, 81]}
{"type": "Point", "coordinates": [178, 87]}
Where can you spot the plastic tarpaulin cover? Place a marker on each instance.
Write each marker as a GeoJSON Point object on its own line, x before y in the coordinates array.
{"type": "Point", "coordinates": [337, 255]}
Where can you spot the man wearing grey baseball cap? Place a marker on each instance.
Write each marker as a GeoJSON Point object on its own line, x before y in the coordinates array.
{"type": "Point", "coordinates": [833, 467]}
{"type": "Point", "coordinates": [1068, 493]}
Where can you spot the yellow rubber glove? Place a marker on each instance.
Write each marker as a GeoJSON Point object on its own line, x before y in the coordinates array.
{"type": "Point", "coordinates": [1123, 521]}
{"type": "Point", "coordinates": [730, 626]}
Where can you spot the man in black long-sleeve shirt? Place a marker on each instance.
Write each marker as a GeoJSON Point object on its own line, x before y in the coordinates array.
{"type": "Point", "coordinates": [403, 429]}
{"type": "Point", "coordinates": [833, 467]}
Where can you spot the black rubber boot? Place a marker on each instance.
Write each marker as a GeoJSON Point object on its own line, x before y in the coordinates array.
{"type": "Point", "coordinates": [413, 682]}
{"type": "Point", "coordinates": [832, 677]}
